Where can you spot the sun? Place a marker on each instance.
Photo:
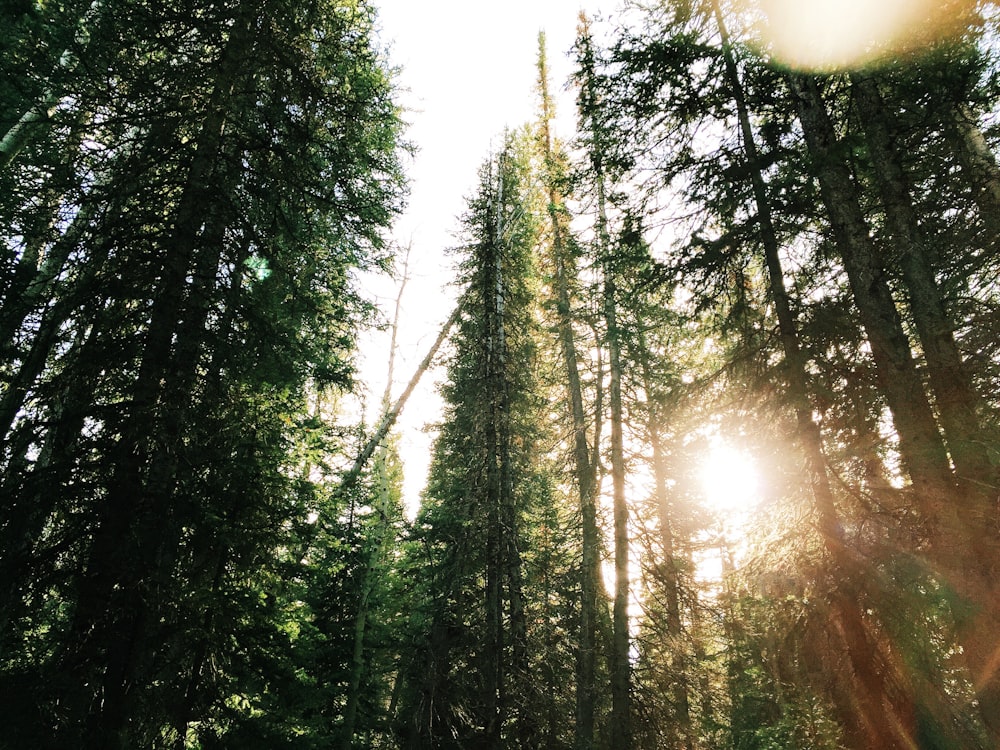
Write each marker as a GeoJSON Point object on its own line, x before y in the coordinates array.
{"type": "Point", "coordinates": [729, 479]}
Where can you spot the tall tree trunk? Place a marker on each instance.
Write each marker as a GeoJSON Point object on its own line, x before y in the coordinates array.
{"type": "Point", "coordinates": [846, 615]}
{"type": "Point", "coordinates": [621, 720]}
{"type": "Point", "coordinates": [493, 299]}
{"type": "Point", "coordinates": [583, 463]}
{"type": "Point", "coordinates": [952, 534]}
{"type": "Point", "coordinates": [955, 397]}
{"type": "Point", "coordinates": [113, 609]}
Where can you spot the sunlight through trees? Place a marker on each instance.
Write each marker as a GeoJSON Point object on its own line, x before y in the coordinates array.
{"type": "Point", "coordinates": [717, 465]}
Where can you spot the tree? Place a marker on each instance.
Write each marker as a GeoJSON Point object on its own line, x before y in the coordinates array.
{"type": "Point", "coordinates": [239, 160]}
{"type": "Point", "coordinates": [672, 124]}
{"type": "Point", "coordinates": [470, 681]}
{"type": "Point", "coordinates": [555, 177]}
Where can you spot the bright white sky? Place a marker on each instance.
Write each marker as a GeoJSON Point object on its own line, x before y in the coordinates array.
{"type": "Point", "coordinates": [468, 71]}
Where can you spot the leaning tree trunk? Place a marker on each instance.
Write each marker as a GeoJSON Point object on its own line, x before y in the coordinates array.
{"type": "Point", "coordinates": [921, 446]}
{"type": "Point", "coordinates": [37, 116]}
{"type": "Point", "coordinates": [951, 531]}
{"type": "Point", "coordinates": [847, 619]}
{"type": "Point", "coordinates": [955, 396]}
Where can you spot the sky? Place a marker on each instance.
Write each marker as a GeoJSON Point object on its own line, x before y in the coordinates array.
{"type": "Point", "coordinates": [467, 72]}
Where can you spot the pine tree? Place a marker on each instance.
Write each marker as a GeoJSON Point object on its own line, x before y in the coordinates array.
{"type": "Point", "coordinates": [563, 261]}
{"type": "Point", "coordinates": [470, 682]}
{"type": "Point", "coordinates": [238, 160]}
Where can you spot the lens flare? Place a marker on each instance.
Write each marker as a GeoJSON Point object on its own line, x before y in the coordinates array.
{"type": "Point", "coordinates": [835, 34]}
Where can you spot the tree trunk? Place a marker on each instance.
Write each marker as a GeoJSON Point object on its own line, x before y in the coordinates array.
{"type": "Point", "coordinates": [31, 121]}
{"type": "Point", "coordinates": [620, 723]}
{"type": "Point", "coordinates": [669, 562]}
{"type": "Point", "coordinates": [502, 563]}
{"type": "Point", "coordinates": [621, 729]}
{"type": "Point", "coordinates": [42, 268]}
{"type": "Point", "coordinates": [381, 535]}
{"type": "Point", "coordinates": [980, 166]}
{"type": "Point", "coordinates": [584, 465]}
{"type": "Point", "coordinates": [36, 116]}
{"type": "Point", "coordinates": [847, 619]}
{"type": "Point", "coordinates": [922, 449]}
{"type": "Point", "coordinates": [117, 591]}
{"type": "Point", "coordinates": [955, 397]}
{"type": "Point", "coordinates": [370, 579]}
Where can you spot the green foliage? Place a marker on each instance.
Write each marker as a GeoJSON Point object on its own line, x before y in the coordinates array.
{"type": "Point", "coordinates": [487, 537]}
{"type": "Point", "coordinates": [178, 244]}
{"type": "Point", "coordinates": [186, 194]}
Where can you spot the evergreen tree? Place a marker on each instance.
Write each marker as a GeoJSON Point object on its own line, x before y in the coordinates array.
{"type": "Point", "coordinates": [563, 262]}
{"type": "Point", "coordinates": [470, 684]}
{"type": "Point", "coordinates": [160, 329]}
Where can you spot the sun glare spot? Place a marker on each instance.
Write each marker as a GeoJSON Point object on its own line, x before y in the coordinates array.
{"type": "Point", "coordinates": [729, 480]}
{"type": "Point", "coordinates": [830, 34]}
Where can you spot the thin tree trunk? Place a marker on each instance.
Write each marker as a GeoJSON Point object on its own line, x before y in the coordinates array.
{"type": "Point", "coordinates": [669, 564]}
{"type": "Point", "coordinates": [621, 733]}
{"type": "Point", "coordinates": [584, 465]}
{"type": "Point", "coordinates": [621, 724]}
{"type": "Point", "coordinates": [370, 579]}
{"type": "Point", "coordinates": [381, 534]}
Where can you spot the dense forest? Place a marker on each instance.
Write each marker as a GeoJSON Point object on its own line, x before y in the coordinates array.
{"type": "Point", "coordinates": [204, 546]}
